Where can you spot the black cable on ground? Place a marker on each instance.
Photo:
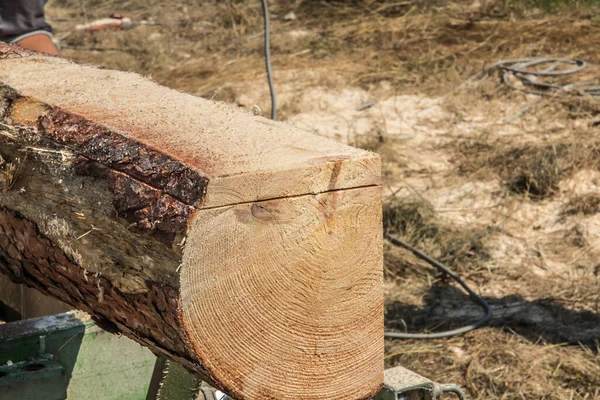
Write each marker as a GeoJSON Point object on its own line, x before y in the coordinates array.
{"type": "Point", "coordinates": [476, 298]}
{"type": "Point", "coordinates": [265, 8]}
{"type": "Point", "coordinates": [395, 335]}
{"type": "Point", "coordinates": [392, 239]}
{"type": "Point", "coordinates": [533, 84]}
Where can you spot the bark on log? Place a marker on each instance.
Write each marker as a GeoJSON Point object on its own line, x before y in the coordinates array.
{"type": "Point", "coordinates": [245, 250]}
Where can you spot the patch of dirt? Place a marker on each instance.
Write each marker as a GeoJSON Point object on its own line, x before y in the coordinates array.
{"type": "Point", "coordinates": [500, 185]}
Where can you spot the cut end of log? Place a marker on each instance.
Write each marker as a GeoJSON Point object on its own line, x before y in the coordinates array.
{"type": "Point", "coordinates": [243, 249]}
{"type": "Point", "coordinates": [284, 303]}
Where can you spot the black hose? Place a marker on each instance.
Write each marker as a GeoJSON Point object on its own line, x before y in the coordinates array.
{"type": "Point", "coordinates": [476, 298]}
{"type": "Point", "coordinates": [265, 8]}
{"type": "Point", "coordinates": [392, 239]}
{"type": "Point", "coordinates": [396, 335]}
{"type": "Point", "coordinates": [519, 69]}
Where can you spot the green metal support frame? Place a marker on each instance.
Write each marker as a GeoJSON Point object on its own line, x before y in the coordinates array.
{"type": "Point", "coordinates": [66, 356]}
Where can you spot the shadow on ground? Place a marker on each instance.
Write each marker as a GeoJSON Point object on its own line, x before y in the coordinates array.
{"type": "Point", "coordinates": [447, 307]}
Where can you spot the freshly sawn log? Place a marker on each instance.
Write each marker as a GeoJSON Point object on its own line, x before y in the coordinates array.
{"type": "Point", "coordinates": [244, 249]}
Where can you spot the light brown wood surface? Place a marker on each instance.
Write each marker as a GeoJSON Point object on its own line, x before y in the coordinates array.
{"type": "Point", "coordinates": [288, 295]}
{"type": "Point", "coordinates": [245, 250]}
{"type": "Point", "coordinates": [244, 157]}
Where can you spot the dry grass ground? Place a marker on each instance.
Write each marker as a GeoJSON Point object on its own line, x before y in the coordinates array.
{"type": "Point", "coordinates": [499, 185]}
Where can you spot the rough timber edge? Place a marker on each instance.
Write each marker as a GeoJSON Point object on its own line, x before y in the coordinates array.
{"type": "Point", "coordinates": [253, 158]}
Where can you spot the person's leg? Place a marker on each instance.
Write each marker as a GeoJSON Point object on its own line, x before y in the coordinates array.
{"type": "Point", "coordinates": [39, 42]}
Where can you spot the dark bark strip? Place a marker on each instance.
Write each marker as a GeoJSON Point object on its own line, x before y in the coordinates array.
{"type": "Point", "coordinates": [117, 152]}
{"type": "Point", "coordinates": [102, 145]}
{"type": "Point", "coordinates": [150, 210]}
{"type": "Point", "coordinates": [153, 211]}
